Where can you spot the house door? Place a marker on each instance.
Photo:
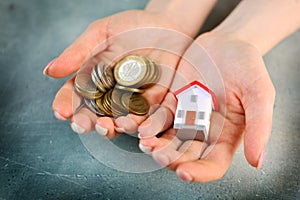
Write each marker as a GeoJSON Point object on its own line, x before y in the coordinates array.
{"type": "Point", "coordinates": [190, 118]}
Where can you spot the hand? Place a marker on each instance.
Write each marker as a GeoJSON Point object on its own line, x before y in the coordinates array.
{"type": "Point", "coordinates": [245, 111]}
{"type": "Point", "coordinates": [109, 39]}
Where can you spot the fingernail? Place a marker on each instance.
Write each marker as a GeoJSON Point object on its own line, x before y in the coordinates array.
{"type": "Point", "coordinates": [120, 130]}
{"type": "Point", "coordinates": [100, 130]}
{"type": "Point", "coordinates": [261, 159]}
{"type": "Point", "coordinates": [77, 129]}
{"type": "Point", "coordinates": [59, 117]}
{"type": "Point", "coordinates": [144, 137]}
{"type": "Point", "coordinates": [145, 149]}
{"type": "Point", "coordinates": [162, 159]}
{"type": "Point", "coordinates": [45, 72]}
{"type": "Point", "coordinates": [184, 175]}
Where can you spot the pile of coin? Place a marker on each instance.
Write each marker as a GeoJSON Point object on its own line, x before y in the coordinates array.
{"type": "Point", "coordinates": [117, 91]}
{"type": "Point", "coordinates": [136, 71]}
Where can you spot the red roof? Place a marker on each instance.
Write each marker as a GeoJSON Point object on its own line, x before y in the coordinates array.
{"type": "Point", "coordinates": [214, 98]}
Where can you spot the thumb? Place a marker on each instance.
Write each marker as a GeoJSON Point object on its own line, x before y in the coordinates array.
{"type": "Point", "coordinates": [258, 103]}
{"type": "Point", "coordinates": [77, 53]}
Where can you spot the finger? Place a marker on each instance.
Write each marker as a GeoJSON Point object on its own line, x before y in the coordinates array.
{"type": "Point", "coordinates": [172, 157]}
{"type": "Point", "coordinates": [161, 120]}
{"type": "Point", "coordinates": [155, 94]}
{"type": "Point", "coordinates": [168, 139]}
{"type": "Point", "coordinates": [129, 124]}
{"type": "Point", "coordinates": [66, 101]}
{"type": "Point", "coordinates": [212, 167]}
{"type": "Point", "coordinates": [83, 121]}
{"type": "Point", "coordinates": [105, 127]}
{"type": "Point", "coordinates": [258, 107]}
{"type": "Point", "coordinates": [89, 43]}
{"type": "Point", "coordinates": [224, 139]}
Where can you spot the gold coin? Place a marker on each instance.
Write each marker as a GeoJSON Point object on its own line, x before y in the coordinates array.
{"type": "Point", "coordinates": [106, 103]}
{"type": "Point", "coordinates": [117, 107]}
{"type": "Point", "coordinates": [116, 98]}
{"type": "Point", "coordinates": [103, 105]}
{"type": "Point", "coordinates": [136, 103]}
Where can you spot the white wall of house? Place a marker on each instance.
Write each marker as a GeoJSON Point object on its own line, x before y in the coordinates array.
{"type": "Point", "coordinates": [194, 99]}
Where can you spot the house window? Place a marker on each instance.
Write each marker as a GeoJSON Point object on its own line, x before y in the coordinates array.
{"type": "Point", "coordinates": [201, 115]}
{"type": "Point", "coordinates": [194, 98]}
{"type": "Point", "coordinates": [180, 114]}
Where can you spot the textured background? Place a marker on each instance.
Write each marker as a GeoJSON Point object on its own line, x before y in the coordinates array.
{"type": "Point", "coordinates": [41, 158]}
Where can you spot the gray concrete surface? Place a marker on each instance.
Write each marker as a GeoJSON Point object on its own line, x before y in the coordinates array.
{"type": "Point", "coordinates": [41, 158]}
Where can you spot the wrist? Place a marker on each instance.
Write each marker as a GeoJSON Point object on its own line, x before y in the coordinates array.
{"type": "Point", "coordinates": [262, 23]}
{"type": "Point", "coordinates": [235, 34]}
{"type": "Point", "coordinates": [189, 15]}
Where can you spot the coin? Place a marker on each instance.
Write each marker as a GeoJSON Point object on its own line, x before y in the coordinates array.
{"type": "Point", "coordinates": [102, 76]}
{"type": "Point", "coordinates": [96, 80]}
{"type": "Point", "coordinates": [154, 74]}
{"type": "Point", "coordinates": [91, 104]}
{"type": "Point", "coordinates": [137, 71]}
{"type": "Point", "coordinates": [116, 105]}
{"type": "Point", "coordinates": [117, 91]}
{"type": "Point", "coordinates": [136, 103]}
{"type": "Point", "coordinates": [108, 77]}
{"type": "Point", "coordinates": [130, 71]}
{"type": "Point", "coordinates": [129, 89]}
{"type": "Point", "coordinates": [85, 87]}
{"type": "Point", "coordinates": [105, 103]}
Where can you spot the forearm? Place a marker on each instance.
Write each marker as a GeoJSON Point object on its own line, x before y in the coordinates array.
{"type": "Point", "coordinates": [190, 15]}
{"type": "Point", "coordinates": [262, 23]}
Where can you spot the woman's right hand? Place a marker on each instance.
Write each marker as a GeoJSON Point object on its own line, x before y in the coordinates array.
{"type": "Point", "coordinates": [109, 39]}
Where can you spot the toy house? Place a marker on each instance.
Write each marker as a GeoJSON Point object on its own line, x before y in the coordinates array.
{"type": "Point", "coordinates": [195, 103]}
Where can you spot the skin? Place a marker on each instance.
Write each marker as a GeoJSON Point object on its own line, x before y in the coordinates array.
{"type": "Point", "coordinates": [236, 48]}
{"type": "Point", "coordinates": [92, 46]}
{"type": "Point", "coordinates": [105, 40]}
{"type": "Point", "coordinates": [246, 112]}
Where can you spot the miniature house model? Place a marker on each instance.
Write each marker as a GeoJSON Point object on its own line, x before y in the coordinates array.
{"type": "Point", "coordinates": [194, 107]}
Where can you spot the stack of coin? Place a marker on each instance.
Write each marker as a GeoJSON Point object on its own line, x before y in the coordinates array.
{"type": "Point", "coordinates": [136, 71]}
{"type": "Point", "coordinates": [85, 87]}
{"type": "Point", "coordinates": [106, 98]}
{"type": "Point", "coordinates": [102, 77]}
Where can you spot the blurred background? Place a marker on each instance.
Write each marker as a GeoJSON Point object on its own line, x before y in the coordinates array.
{"type": "Point", "coordinates": [41, 158]}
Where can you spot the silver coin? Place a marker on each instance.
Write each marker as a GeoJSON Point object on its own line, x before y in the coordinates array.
{"type": "Point", "coordinates": [91, 104]}
{"type": "Point", "coordinates": [130, 71]}
{"type": "Point", "coordinates": [96, 79]}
